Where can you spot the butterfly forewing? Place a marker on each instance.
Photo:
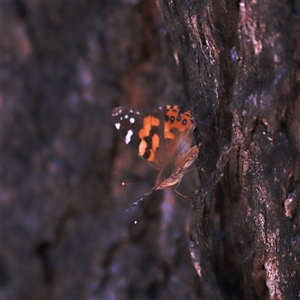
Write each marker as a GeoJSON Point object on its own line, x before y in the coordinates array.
{"type": "Point", "coordinates": [128, 121]}
{"type": "Point", "coordinates": [143, 130]}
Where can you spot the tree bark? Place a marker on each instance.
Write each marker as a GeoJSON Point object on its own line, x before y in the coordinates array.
{"type": "Point", "coordinates": [242, 60]}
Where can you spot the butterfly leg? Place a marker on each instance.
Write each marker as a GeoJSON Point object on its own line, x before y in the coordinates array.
{"type": "Point", "coordinates": [178, 193]}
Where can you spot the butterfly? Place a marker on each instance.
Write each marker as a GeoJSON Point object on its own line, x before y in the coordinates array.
{"type": "Point", "coordinates": [163, 137]}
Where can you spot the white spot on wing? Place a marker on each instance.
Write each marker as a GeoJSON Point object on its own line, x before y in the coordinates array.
{"type": "Point", "coordinates": [128, 136]}
{"type": "Point", "coordinates": [118, 125]}
{"type": "Point", "coordinates": [126, 116]}
{"type": "Point", "coordinates": [137, 112]}
{"type": "Point", "coordinates": [132, 120]}
{"type": "Point", "coordinates": [117, 111]}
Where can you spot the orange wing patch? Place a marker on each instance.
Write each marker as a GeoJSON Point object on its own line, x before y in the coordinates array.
{"type": "Point", "coordinates": [148, 123]}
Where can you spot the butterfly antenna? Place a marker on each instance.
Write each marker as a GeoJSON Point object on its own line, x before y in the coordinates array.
{"type": "Point", "coordinates": [132, 183]}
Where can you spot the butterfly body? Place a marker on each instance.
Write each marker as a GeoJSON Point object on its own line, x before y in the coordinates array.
{"type": "Point", "coordinates": [163, 137]}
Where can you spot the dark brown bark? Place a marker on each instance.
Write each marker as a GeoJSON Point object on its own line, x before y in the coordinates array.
{"type": "Point", "coordinates": [246, 240]}
{"type": "Point", "coordinates": [65, 235]}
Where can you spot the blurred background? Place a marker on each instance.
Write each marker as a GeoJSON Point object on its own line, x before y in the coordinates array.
{"type": "Point", "coordinates": [65, 233]}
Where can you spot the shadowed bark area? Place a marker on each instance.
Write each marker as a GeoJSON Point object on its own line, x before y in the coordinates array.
{"type": "Point", "coordinates": [65, 233]}
{"type": "Point", "coordinates": [242, 60]}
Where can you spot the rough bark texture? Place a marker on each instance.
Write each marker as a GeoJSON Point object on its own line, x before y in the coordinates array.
{"type": "Point", "coordinates": [65, 65]}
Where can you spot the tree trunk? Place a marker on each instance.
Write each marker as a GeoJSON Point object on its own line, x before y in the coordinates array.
{"type": "Point", "coordinates": [242, 61]}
